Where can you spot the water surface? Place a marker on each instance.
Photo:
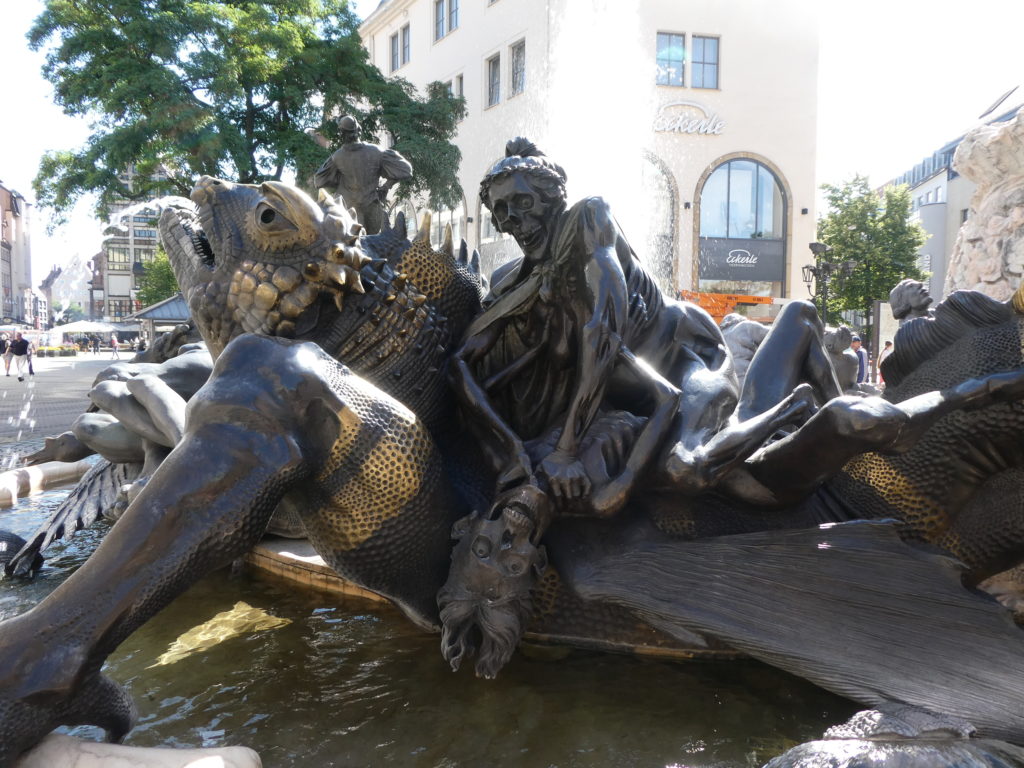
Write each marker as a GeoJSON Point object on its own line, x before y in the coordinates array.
{"type": "Point", "coordinates": [345, 682]}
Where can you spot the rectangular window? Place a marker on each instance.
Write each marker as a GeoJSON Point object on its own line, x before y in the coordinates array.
{"type": "Point", "coordinates": [406, 44]}
{"type": "Point", "coordinates": [118, 257]}
{"type": "Point", "coordinates": [453, 15]}
{"type": "Point", "coordinates": [518, 84]}
{"type": "Point", "coordinates": [395, 61]}
{"type": "Point", "coordinates": [671, 54]}
{"type": "Point", "coordinates": [493, 80]}
{"type": "Point", "coordinates": [704, 62]}
{"type": "Point", "coordinates": [145, 232]}
{"type": "Point", "coordinates": [120, 307]}
{"type": "Point", "coordinates": [438, 19]}
{"type": "Point", "coordinates": [964, 212]}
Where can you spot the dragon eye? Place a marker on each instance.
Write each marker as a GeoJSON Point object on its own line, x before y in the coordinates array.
{"type": "Point", "coordinates": [272, 221]}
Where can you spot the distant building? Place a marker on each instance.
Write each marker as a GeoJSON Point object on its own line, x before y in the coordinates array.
{"type": "Point", "coordinates": [130, 244]}
{"type": "Point", "coordinates": [16, 299]}
{"type": "Point", "coordinates": [696, 121]}
{"type": "Point", "coordinates": [68, 286]}
{"type": "Point", "coordinates": [941, 200]}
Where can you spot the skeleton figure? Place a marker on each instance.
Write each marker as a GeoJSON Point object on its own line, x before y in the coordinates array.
{"type": "Point", "coordinates": [580, 377]}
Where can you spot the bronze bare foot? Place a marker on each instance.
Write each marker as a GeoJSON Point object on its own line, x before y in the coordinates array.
{"type": "Point", "coordinates": [41, 689]}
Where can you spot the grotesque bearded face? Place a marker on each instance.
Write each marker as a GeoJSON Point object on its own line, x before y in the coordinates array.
{"type": "Point", "coordinates": [485, 603]}
{"type": "Point", "coordinates": [522, 212]}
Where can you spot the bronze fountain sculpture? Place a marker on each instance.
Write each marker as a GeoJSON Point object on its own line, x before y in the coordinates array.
{"type": "Point", "coordinates": [354, 170]}
{"type": "Point", "coordinates": [625, 489]}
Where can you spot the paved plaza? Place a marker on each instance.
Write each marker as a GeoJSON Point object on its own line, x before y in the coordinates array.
{"type": "Point", "coordinates": [47, 403]}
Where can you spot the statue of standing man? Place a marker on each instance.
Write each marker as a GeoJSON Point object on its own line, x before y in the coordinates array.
{"type": "Point", "coordinates": [354, 170]}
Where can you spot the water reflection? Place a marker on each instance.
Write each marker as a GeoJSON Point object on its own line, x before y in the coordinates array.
{"type": "Point", "coordinates": [350, 683]}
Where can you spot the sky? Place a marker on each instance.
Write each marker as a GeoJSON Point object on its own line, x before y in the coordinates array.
{"type": "Point", "coordinates": [897, 80]}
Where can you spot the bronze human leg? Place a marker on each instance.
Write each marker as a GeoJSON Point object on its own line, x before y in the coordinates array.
{"type": "Point", "coordinates": [792, 353]}
{"type": "Point", "coordinates": [248, 441]}
{"type": "Point", "coordinates": [848, 426]}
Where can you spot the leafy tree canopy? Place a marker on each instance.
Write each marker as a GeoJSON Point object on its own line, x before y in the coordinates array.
{"type": "Point", "coordinates": [875, 232]}
{"type": "Point", "coordinates": [157, 281]}
{"type": "Point", "coordinates": [229, 88]}
{"type": "Point", "coordinates": [71, 313]}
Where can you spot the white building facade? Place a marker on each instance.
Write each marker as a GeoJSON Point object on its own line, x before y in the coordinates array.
{"type": "Point", "coordinates": [18, 304]}
{"type": "Point", "coordinates": [696, 119]}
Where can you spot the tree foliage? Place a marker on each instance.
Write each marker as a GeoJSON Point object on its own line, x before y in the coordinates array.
{"type": "Point", "coordinates": [157, 281]}
{"type": "Point", "coordinates": [72, 313]}
{"type": "Point", "coordinates": [875, 232]}
{"type": "Point", "coordinates": [229, 88]}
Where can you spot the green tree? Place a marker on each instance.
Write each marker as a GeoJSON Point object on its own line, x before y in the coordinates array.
{"type": "Point", "coordinates": [157, 281]}
{"type": "Point", "coordinates": [72, 313]}
{"type": "Point", "coordinates": [874, 231]}
{"type": "Point", "coordinates": [229, 88]}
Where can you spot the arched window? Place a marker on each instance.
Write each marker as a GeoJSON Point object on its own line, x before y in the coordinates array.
{"type": "Point", "coordinates": [742, 230]}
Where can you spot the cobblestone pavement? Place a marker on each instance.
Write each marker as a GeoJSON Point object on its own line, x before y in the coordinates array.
{"type": "Point", "coordinates": [47, 403]}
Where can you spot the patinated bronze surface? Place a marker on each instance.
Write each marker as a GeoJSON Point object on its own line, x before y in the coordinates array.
{"type": "Point", "coordinates": [354, 171]}
{"type": "Point", "coordinates": [612, 434]}
{"type": "Point", "coordinates": [910, 299]}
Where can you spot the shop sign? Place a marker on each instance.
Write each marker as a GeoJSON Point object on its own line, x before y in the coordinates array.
{"type": "Point", "coordinates": [688, 117]}
{"type": "Point", "coordinates": [724, 258]}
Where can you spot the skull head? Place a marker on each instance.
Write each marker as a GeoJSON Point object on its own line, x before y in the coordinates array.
{"type": "Point", "coordinates": [519, 208]}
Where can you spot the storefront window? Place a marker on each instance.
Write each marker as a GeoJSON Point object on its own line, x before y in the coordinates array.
{"type": "Point", "coordinates": [742, 230]}
{"type": "Point", "coordinates": [742, 199]}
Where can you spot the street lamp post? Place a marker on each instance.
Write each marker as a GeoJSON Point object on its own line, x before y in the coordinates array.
{"type": "Point", "coordinates": [821, 272]}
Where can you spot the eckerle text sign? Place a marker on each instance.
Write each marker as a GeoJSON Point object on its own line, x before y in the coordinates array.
{"type": "Point", "coordinates": [753, 259]}
{"type": "Point", "coordinates": [740, 257]}
{"type": "Point", "coordinates": [688, 117]}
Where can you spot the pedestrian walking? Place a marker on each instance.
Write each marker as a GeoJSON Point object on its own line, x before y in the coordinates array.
{"type": "Point", "coordinates": [95, 341]}
{"type": "Point", "coordinates": [19, 350]}
{"type": "Point", "coordinates": [114, 355]}
{"type": "Point", "coordinates": [5, 350]}
{"type": "Point", "coordinates": [862, 359]}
